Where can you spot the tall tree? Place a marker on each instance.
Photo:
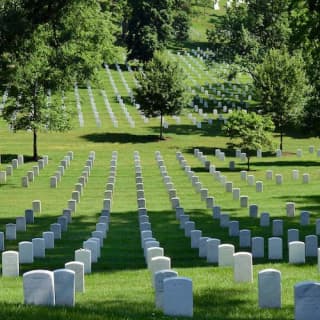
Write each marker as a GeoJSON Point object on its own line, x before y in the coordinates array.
{"type": "Point", "coordinates": [249, 132]}
{"type": "Point", "coordinates": [57, 50]}
{"type": "Point", "coordinates": [149, 27]}
{"type": "Point", "coordinates": [282, 87]}
{"type": "Point", "coordinates": [250, 29]}
{"type": "Point", "coordinates": [181, 21]}
{"type": "Point", "coordinates": [162, 90]}
{"type": "Point", "coordinates": [306, 36]}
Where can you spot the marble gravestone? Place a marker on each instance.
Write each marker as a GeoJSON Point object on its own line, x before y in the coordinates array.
{"type": "Point", "coordinates": [38, 288]}
{"type": "Point", "coordinates": [177, 297]}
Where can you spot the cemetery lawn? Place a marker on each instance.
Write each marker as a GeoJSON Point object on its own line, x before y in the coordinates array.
{"type": "Point", "coordinates": [119, 286]}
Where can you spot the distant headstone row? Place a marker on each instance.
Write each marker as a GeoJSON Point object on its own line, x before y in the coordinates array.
{"type": "Point", "coordinates": [173, 294]}
{"type": "Point", "coordinates": [32, 174]}
{"type": "Point", "coordinates": [64, 165]}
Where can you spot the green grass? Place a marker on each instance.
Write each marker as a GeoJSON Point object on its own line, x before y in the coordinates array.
{"type": "Point", "coordinates": [120, 285]}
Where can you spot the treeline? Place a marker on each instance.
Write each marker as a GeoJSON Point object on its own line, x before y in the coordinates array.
{"type": "Point", "coordinates": [277, 42]}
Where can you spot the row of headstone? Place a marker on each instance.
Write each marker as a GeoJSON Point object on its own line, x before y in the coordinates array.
{"type": "Point", "coordinates": [204, 193]}
{"type": "Point", "coordinates": [124, 82]}
{"type": "Point", "coordinates": [32, 174]}
{"type": "Point", "coordinates": [173, 294]}
{"type": "Point", "coordinates": [4, 98]}
{"type": "Point", "coordinates": [172, 192]}
{"type": "Point", "coordinates": [27, 251]}
{"type": "Point", "coordinates": [78, 105]}
{"type": "Point", "coordinates": [96, 241]}
{"type": "Point", "coordinates": [311, 150]}
{"type": "Point", "coordinates": [277, 226]}
{"type": "Point", "coordinates": [198, 68]}
{"type": "Point", "coordinates": [15, 163]}
{"type": "Point", "coordinates": [91, 250]}
{"type": "Point", "coordinates": [119, 98]}
{"type": "Point", "coordinates": [54, 288]}
{"type": "Point", "coordinates": [112, 116]}
{"type": "Point", "coordinates": [19, 226]}
{"type": "Point", "coordinates": [94, 107]}
{"type": "Point", "coordinates": [63, 166]}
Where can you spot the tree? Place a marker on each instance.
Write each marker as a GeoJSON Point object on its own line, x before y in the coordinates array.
{"type": "Point", "coordinates": [181, 24]}
{"type": "Point", "coordinates": [64, 44]}
{"type": "Point", "coordinates": [249, 30]}
{"type": "Point", "coordinates": [149, 27]}
{"type": "Point", "coordinates": [306, 36]}
{"type": "Point", "coordinates": [28, 107]}
{"type": "Point", "coordinates": [162, 90]}
{"type": "Point", "coordinates": [251, 131]}
{"type": "Point", "coordinates": [281, 87]}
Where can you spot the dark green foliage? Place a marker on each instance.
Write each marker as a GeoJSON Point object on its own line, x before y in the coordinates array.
{"type": "Point", "coordinates": [181, 25]}
{"type": "Point", "coordinates": [249, 30]}
{"type": "Point", "coordinates": [250, 130]}
{"type": "Point", "coordinates": [282, 87]}
{"type": "Point", "coordinates": [162, 90]}
{"type": "Point", "coordinates": [306, 35]}
{"type": "Point", "coordinates": [149, 27]}
{"type": "Point", "coordinates": [64, 42]}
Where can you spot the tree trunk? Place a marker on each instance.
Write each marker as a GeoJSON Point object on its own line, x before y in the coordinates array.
{"type": "Point", "coordinates": [248, 163]}
{"type": "Point", "coordinates": [281, 121]}
{"type": "Point", "coordinates": [161, 127]}
{"type": "Point", "coordinates": [35, 145]}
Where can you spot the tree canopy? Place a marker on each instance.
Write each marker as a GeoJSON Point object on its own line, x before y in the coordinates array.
{"type": "Point", "coordinates": [162, 90]}
{"type": "Point", "coordinates": [281, 87]}
{"type": "Point", "coordinates": [149, 27]}
{"type": "Point", "coordinates": [60, 43]}
{"type": "Point", "coordinates": [249, 132]}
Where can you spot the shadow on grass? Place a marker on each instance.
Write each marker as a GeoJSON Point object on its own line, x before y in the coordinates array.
{"type": "Point", "coordinates": [213, 303]}
{"type": "Point", "coordinates": [71, 240]}
{"type": "Point", "coordinates": [7, 158]}
{"type": "Point", "coordinates": [91, 309]}
{"type": "Point", "coordinates": [229, 152]}
{"type": "Point", "coordinates": [293, 163]}
{"type": "Point", "coordinates": [108, 137]}
{"type": "Point", "coordinates": [188, 129]}
{"type": "Point", "coordinates": [302, 203]}
{"type": "Point", "coordinates": [122, 247]}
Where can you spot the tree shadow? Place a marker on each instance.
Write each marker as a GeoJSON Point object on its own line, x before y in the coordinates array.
{"type": "Point", "coordinates": [8, 157]}
{"type": "Point", "coordinates": [213, 130]}
{"type": "Point", "coordinates": [108, 137]}
{"type": "Point", "coordinates": [294, 163]}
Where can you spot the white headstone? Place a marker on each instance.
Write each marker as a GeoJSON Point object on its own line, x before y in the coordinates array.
{"type": "Point", "coordinates": [93, 247]}
{"type": "Point", "coordinates": [25, 252]}
{"type": "Point", "coordinates": [306, 300]}
{"type": "Point", "coordinates": [78, 268]}
{"type": "Point", "coordinates": [38, 288]}
{"type": "Point", "coordinates": [225, 255]}
{"type": "Point", "coordinates": [10, 264]}
{"type": "Point", "coordinates": [275, 249]}
{"type": "Point", "coordinates": [243, 270]}
{"type": "Point", "coordinates": [39, 248]}
{"type": "Point", "coordinates": [36, 206]}
{"type": "Point", "coordinates": [290, 208]}
{"type": "Point", "coordinates": [177, 297]}
{"type": "Point", "coordinates": [21, 224]}
{"type": "Point", "coordinates": [64, 287]}
{"type": "Point", "coordinates": [269, 286]}
{"type": "Point", "coordinates": [11, 231]}
{"type": "Point", "coordinates": [297, 252]}
{"type": "Point", "coordinates": [153, 252]}
{"type": "Point", "coordinates": [84, 256]}
{"type": "Point", "coordinates": [157, 264]}
{"type": "Point", "coordinates": [159, 277]}
{"type": "Point", "coordinates": [48, 237]}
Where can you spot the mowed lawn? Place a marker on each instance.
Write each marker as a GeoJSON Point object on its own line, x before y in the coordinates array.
{"type": "Point", "coordinates": [120, 285]}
